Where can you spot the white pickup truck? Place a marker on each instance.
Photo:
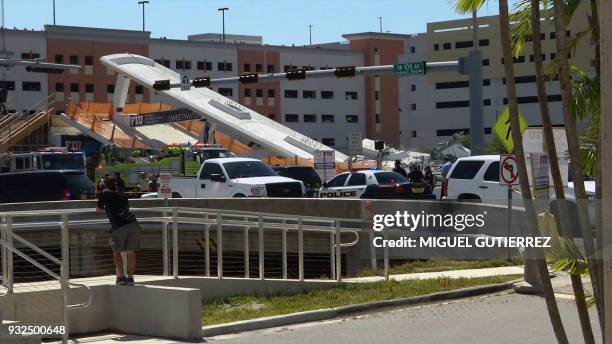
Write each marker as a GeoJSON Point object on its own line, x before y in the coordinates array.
{"type": "Point", "coordinates": [235, 177]}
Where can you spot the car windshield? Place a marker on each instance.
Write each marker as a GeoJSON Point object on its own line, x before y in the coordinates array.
{"type": "Point", "coordinates": [390, 178]}
{"type": "Point", "coordinates": [246, 169]}
{"type": "Point", "coordinates": [63, 162]}
{"type": "Point", "coordinates": [305, 174]}
{"type": "Point", "coordinates": [214, 153]}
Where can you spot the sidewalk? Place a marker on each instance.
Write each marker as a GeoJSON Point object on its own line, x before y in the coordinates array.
{"type": "Point", "coordinates": [468, 273]}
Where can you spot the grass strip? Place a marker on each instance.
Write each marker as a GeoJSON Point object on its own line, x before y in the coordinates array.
{"type": "Point", "coordinates": [439, 264]}
{"type": "Point", "coordinates": [238, 308]}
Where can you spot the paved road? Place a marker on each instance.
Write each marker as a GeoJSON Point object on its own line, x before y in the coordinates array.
{"type": "Point", "coordinates": [501, 318]}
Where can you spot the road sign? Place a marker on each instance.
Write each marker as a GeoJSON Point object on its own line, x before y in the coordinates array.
{"type": "Point", "coordinates": [503, 130]}
{"type": "Point", "coordinates": [415, 68]}
{"type": "Point", "coordinates": [508, 170]}
{"type": "Point", "coordinates": [185, 82]}
{"type": "Point", "coordinates": [533, 141]}
{"type": "Point", "coordinates": [152, 118]}
{"type": "Point", "coordinates": [325, 164]}
{"type": "Point", "coordinates": [539, 173]}
{"type": "Point", "coordinates": [355, 144]}
{"type": "Point", "coordinates": [164, 190]}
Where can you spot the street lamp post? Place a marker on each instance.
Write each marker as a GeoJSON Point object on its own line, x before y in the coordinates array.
{"type": "Point", "coordinates": [310, 33]}
{"type": "Point", "coordinates": [53, 12]}
{"type": "Point", "coordinates": [223, 9]}
{"type": "Point", "coordinates": [143, 3]}
{"type": "Point", "coordinates": [380, 23]}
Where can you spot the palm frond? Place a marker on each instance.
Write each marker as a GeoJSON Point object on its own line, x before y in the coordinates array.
{"type": "Point", "coordinates": [467, 6]}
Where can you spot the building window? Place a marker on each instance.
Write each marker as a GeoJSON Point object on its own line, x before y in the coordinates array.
{"type": "Point", "coordinates": [413, 106]}
{"type": "Point", "coordinates": [74, 87]}
{"type": "Point", "coordinates": [486, 82]}
{"type": "Point", "coordinates": [165, 63]}
{"type": "Point", "coordinates": [376, 95]}
{"type": "Point", "coordinates": [182, 64]}
{"type": "Point", "coordinates": [226, 92]}
{"type": "Point", "coordinates": [307, 94]}
{"type": "Point", "coordinates": [110, 88]}
{"type": "Point", "coordinates": [204, 65]}
{"type": "Point", "coordinates": [349, 95]}
{"type": "Point", "coordinates": [247, 92]}
{"type": "Point", "coordinates": [436, 47]}
{"type": "Point", "coordinates": [553, 56]}
{"type": "Point", "coordinates": [412, 87]}
{"type": "Point", "coordinates": [30, 86]}
{"type": "Point", "coordinates": [74, 59]}
{"type": "Point", "coordinates": [272, 116]}
{"type": "Point", "coordinates": [485, 62]}
{"type": "Point", "coordinates": [327, 118]}
{"type": "Point", "coordinates": [377, 118]}
{"type": "Point", "coordinates": [483, 42]}
{"type": "Point", "coordinates": [327, 94]}
{"type": "Point", "coordinates": [451, 132]}
{"type": "Point", "coordinates": [519, 59]}
{"type": "Point", "coordinates": [292, 118]}
{"type": "Point", "coordinates": [446, 46]}
{"type": "Point", "coordinates": [328, 141]}
{"type": "Point", "coordinates": [310, 118]}
{"type": "Point", "coordinates": [138, 89]}
{"type": "Point", "coordinates": [7, 85]}
{"type": "Point", "coordinates": [291, 93]}
{"type": "Point", "coordinates": [258, 68]}
{"type": "Point", "coordinates": [247, 67]}
{"type": "Point", "coordinates": [553, 35]}
{"type": "Point", "coordinates": [352, 119]}
{"type": "Point", "coordinates": [271, 93]}
{"type": "Point", "coordinates": [414, 133]}
{"type": "Point", "coordinates": [88, 60]}
{"type": "Point", "coordinates": [30, 55]}
{"type": "Point", "coordinates": [525, 79]}
{"type": "Point", "coordinates": [270, 68]}
{"type": "Point", "coordinates": [452, 84]}
{"type": "Point", "coordinates": [287, 67]}
{"type": "Point", "coordinates": [59, 87]}
{"type": "Point", "coordinates": [452, 104]}
{"type": "Point", "coordinates": [487, 102]}
{"type": "Point", "coordinates": [89, 88]}
{"type": "Point", "coordinates": [412, 50]}
{"type": "Point", "coordinates": [224, 66]}
{"type": "Point", "coordinates": [464, 44]}
{"type": "Point", "coordinates": [59, 58]}
{"type": "Point", "coordinates": [259, 93]}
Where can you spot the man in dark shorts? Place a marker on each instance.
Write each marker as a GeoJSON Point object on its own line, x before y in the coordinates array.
{"type": "Point", "coordinates": [125, 236]}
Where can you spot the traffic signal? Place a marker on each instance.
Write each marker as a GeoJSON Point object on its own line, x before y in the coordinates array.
{"type": "Point", "coordinates": [296, 74]}
{"type": "Point", "coordinates": [248, 78]}
{"type": "Point", "coordinates": [203, 81]}
{"type": "Point", "coordinates": [35, 69]}
{"type": "Point", "coordinates": [345, 72]}
{"type": "Point", "coordinates": [161, 85]}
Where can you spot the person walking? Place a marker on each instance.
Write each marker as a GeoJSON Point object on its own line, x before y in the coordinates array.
{"type": "Point", "coordinates": [125, 231]}
{"type": "Point", "coordinates": [446, 167]}
{"type": "Point", "coordinates": [399, 169]}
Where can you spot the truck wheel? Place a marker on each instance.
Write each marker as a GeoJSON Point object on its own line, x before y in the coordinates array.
{"type": "Point", "coordinates": [239, 195]}
{"type": "Point", "coordinates": [469, 198]}
{"type": "Point", "coordinates": [176, 195]}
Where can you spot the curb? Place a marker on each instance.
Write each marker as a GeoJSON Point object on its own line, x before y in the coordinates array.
{"type": "Point", "coordinates": [330, 313]}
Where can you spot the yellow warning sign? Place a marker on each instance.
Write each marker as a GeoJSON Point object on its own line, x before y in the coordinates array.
{"type": "Point", "coordinates": [503, 130]}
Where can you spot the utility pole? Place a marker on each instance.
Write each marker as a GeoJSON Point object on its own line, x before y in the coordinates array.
{"type": "Point", "coordinates": [223, 9]}
{"type": "Point", "coordinates": [310, 33]}
{"type": "Point", "coordinates": [476, 106]}
{"type": "Point", "coordinates": [380, 23]}
{"type": "Point", "coordinates": [53, 12]}
{"type": "Point", "coordinates": [143, 3]}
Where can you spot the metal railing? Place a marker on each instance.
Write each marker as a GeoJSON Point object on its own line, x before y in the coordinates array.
{"type": "Point", "coordinates": [223, 221]}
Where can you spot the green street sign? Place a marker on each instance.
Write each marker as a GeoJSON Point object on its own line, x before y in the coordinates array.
{"type": "Point", "coordinates": [415, 68]}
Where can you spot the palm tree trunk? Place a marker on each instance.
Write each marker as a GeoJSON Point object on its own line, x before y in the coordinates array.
{"type": "Point", "coordinates": [551, 303]}
{"type": "Point", "coordinates": [583, 313]}
{"type": "Point", "coordinates": [574, 153]}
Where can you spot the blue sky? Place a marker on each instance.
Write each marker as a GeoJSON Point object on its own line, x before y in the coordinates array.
{"type": "Point", "coordinates": [278, 21]}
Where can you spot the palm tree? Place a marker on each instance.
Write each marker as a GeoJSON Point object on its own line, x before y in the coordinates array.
{"type": "Point", "coordinates": [576, 279]}
{"type": "Point", "coordinates": [574, 153]}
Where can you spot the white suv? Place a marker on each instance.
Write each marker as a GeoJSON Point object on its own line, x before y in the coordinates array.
{"type": "Point", "coordinates": [475, 178]}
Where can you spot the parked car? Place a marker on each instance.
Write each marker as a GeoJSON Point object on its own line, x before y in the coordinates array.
{"type": "Point", "coordinates": [308, 176]}
{"type": "Point", "coordinates": [374, 184]}
{"type": "Point", "coordinates": [236, 177]}
{"type": "Point", "coordinates": [37, 186]}
{"type": "Point", "coordinates": [475, 178]}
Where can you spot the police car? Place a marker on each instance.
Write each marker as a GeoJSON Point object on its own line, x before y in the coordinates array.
{"type": "Point", "coordinates": [374, 184]}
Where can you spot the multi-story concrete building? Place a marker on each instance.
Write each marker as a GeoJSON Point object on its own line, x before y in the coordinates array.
{"type": "Point", "coordinates": [414, 112]}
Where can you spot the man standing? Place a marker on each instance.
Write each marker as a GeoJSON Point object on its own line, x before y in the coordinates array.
{"type": "Point", "coordinates": [399, 169]}
{"type": "Point", "coordinates": [125, 236]}
{"type": "Point", "coordinates": [446, 167]}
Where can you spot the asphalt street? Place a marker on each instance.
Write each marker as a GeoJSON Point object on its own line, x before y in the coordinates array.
{"type": "Point", "coordinates": [499, 318]}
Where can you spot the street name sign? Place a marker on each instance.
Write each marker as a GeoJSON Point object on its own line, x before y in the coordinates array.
{"type": "Point", "coordinates": [414, 68]}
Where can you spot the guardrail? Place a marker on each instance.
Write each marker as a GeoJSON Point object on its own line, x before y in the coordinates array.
{"type": "Point", "coordinates": [169, 218]}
